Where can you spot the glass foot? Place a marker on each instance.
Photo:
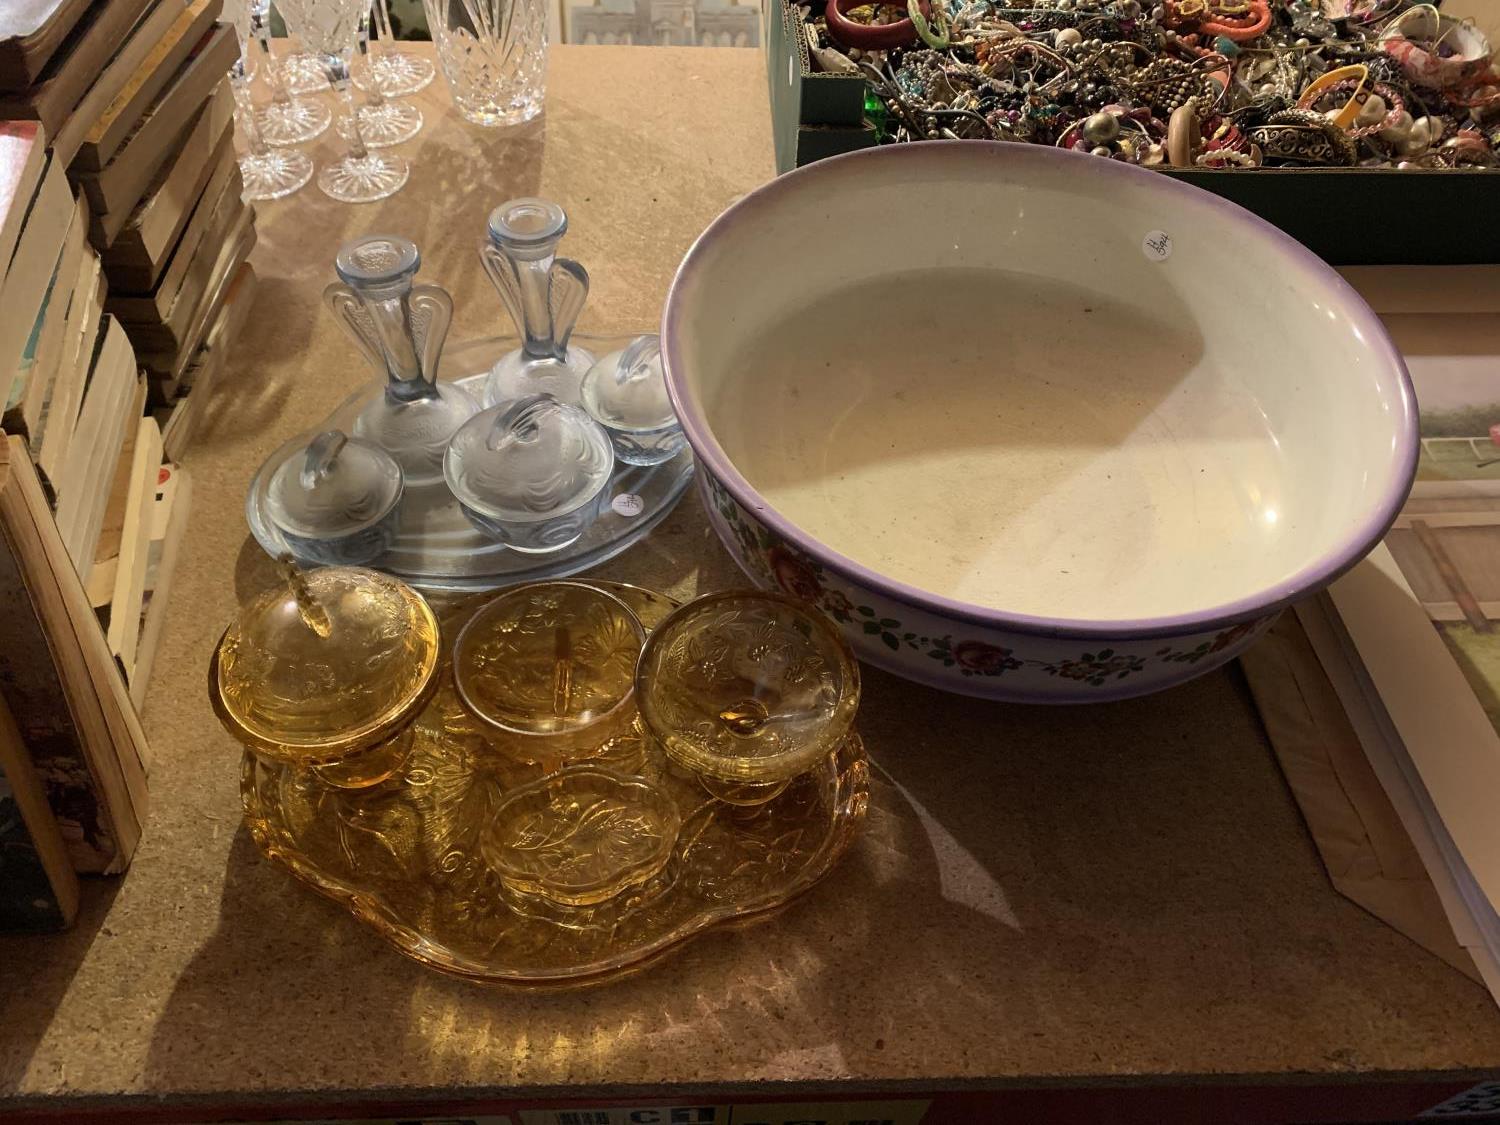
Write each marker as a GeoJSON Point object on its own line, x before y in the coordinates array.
{"type": "Point", "coordinates": [303, 73]}
{"type": "Point", "coordinates": [274, 173]}
{"type": "Point", "coordinates": [397, 73]}
{"type": "Point", "coordinates": [363, 179]}
{"type": "Point", "coordinates": [292, 122]}
{"type": "Point", "coordinates": [388, 123]}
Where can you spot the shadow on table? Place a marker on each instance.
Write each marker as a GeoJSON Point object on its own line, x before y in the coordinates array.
{"type": "Point", "coordinates": [997, 895]}
{"type": "Point", "coordinates": [36, 971]}
{"type": "Point", "coordinates": [254, 571]}
{"type": "Point", "coordinates": [1115, 888]}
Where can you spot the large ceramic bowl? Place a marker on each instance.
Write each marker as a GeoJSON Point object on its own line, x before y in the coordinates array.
{"type": "Point", "coordinates": [1031, 424]}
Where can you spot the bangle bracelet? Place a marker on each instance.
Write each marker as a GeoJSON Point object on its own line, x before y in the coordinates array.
{"type": "Point", "coordinates": [1303, 136]}
{"type": "Point", "coordinates": [1183, 135]}
{"type": "Point", "coordinates": [870, 36]}
{"type": "Point", "coordinates": [1239, 29]}
{"type": "Point", "coordinates": [1344, 116]}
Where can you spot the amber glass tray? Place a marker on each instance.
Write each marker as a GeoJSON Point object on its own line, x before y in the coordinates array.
{"type": "Point", "coordinates": [404, 856]}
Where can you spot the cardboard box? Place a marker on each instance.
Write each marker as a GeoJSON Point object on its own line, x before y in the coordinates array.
{"type": "Point", "coordinates": [813, 115]}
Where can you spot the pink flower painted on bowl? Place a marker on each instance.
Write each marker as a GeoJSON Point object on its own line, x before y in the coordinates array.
{"type": "Point", "coordinates": [776, 563]}
{"type": "Point", "coordinates": [1221, 640]}
{"type": "Point", "coordinates": [983, 659]}
{"type": "Point", "coordinates": [837, 605]}
{"type": "Point", "coordinates": [793, 575]}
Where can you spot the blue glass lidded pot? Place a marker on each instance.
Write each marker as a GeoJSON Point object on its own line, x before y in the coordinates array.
{"type": "Point", "coordinates": [336, 501]}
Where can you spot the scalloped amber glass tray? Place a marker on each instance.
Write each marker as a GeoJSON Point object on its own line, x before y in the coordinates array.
{"type": "Point", "coordinates": [404, 856]}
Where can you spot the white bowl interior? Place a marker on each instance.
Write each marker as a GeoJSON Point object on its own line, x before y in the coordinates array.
{"type": "Point", "coordinates": [964, 369]}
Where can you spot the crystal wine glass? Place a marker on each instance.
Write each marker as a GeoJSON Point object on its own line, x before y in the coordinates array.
{"type": "Point", "coordinates": [383, 122]}
{"type": "Point", "coordinates": [331, 29]}
{"type": "Point", "coordinates": [267, 173]}
{"type": "Point", "coordinates": [396, 73]}
{"type": "Point", "coordinates": [288, 119]}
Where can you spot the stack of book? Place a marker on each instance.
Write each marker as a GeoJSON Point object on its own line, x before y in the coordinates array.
{"type": "Point", "coordinates": [77, 398]}
{"type": "Point", "coordinates": [123, 242]}
{"type": "Point", "coordinates": [144, 131]}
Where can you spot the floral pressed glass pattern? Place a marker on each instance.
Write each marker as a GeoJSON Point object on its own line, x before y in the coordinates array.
{"type": "Point", "coordinates": [747, 688]}
{"type": "Point", "coordinates": [368, 767]}
{"type": "Point", "coordinates": [581, 835]}
{"type": "Point", "coordinates": [551, 658]}
{"type": "Point", "coordinates": [332, 663]}
{"type": "Point", "coordinates": [407, 857]}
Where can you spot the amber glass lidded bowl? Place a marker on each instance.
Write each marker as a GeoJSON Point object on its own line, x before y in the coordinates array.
{"type": "Point", "coordinates": [327, 670]}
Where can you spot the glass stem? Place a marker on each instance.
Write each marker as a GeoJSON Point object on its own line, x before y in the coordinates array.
{"type": "Point", "coordinates": [373, 96]}
{"type": "Point", "coordinates": [240, 83]}
{"type": "Point", "coordinates": [338, 77]}
{"type": "Point", "coordinates": [383, 20]}
{"type": "Point", "coordinates": [390, 315]}
{"type": "Point", "coordinates": [539, 337]}
{"type": "Point", "coordinates": [260, 30]}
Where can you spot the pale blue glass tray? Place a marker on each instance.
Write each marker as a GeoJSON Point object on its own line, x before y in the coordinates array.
{"type": "Point", "coordinates": [436, 548]}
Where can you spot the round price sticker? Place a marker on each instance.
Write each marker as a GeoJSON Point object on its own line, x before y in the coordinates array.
{"type": "Point", "coordinates": [628, 504]}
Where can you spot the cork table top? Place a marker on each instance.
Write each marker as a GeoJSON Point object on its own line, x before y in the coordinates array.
{"type": "Point", "coordinates": [1083, 894]}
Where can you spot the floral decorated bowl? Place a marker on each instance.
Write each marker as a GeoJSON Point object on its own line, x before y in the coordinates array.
{"type": "Point", "coordinates": [1030, 424]}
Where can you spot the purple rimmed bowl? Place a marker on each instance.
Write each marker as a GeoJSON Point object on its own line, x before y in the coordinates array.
{"type": "Point", "coordinates": [1030, 424]}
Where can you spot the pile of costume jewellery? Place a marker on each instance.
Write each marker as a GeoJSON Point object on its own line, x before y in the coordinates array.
{"type": "Point", "coordinates": [1205, 83]}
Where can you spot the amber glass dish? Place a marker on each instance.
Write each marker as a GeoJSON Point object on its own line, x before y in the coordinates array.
{"type": "Point", "coordinates": [415, 857]}
{"type": "Point", "coordinates": [581, 835]}
{"type": "Point", "coordinates": [747, 687]}
{"type": "Point", "coordinates": [550, 659]}
{"type": "Point", "coordinates": [328, 664]}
